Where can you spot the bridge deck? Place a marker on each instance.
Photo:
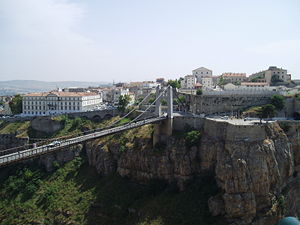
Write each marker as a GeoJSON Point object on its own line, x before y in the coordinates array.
{"type": "Point", "coordinates": [33, 152]}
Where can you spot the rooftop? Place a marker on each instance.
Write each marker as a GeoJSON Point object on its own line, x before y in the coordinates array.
{"type": "Point", "coordinates": [254, 83]}
{"type": "Point", "coordinates": [234, 74]}
{"type": "Point", "coordinates": [61, 94]}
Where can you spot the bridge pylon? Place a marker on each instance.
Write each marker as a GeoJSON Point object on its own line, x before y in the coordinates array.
{"type": "Point", "coordinates": [163, 130]}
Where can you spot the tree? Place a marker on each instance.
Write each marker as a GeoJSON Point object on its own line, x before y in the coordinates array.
{"type": "Point", "coordinates": [222, 81]}
{"type": "Point", "coordinates": [123, 102]}
{"type": "Point", "coordinates": [164, 102]}
{"type": "Point", "coordinates": [278, 101]}
{"type": "Point", "coordinates": [16, 104]}
{"type": "Point", "coordinates": [199, 92]}
{"type": "Point", "coordinates": [192, 138]}
{"type": "Point", "coordinates": [174, 83]}
{"type": "Point", "coordinates": [266, 111]}
{"type": "Point", "coordinates": [151, 100]}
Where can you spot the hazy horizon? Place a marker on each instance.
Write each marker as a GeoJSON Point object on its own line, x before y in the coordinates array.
{"type": "Point", "coordinates": [123, 41]}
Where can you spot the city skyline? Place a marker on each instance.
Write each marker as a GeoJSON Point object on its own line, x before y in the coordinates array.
{"type": "Point", "coordinates": [56, 40]}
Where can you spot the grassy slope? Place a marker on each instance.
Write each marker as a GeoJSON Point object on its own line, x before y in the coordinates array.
{"type": "Point", "coordinates": [75, 194]}
{"type": "Point", "coordinates": [71, 126]}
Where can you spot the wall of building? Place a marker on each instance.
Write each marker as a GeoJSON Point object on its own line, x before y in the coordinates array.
{"type": "Point", "coordinates": [210, 104]}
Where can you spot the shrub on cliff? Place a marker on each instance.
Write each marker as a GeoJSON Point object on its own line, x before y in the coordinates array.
{"type": "Point", "coordinates": [278, 101]}
{"type": "Point", "coordinates": [192, 138]}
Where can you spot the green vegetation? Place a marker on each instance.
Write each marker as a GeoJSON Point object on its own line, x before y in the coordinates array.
{"type": "Point", "coordinates": [18, 128]}
{"type": "Point", "coordinates": [192, 138]}
{"type": "Point", "coordinates": [151, 100]}
{"type": "Point", "coordinates": [278, 101]}
{"type": "Point", "coordinates": [174, 83]}
{"type": "Point", "coordinates": [133, 139]}
{"type": "Point", "coordinates": [199, 92]}
{"type": "Point", "coordinates": [269, 110]}
{"type": "Point", "coordinates": [124, 101]}
{"type": "Point", "coordinates": [71, 126]}
{"type": "Point", "coordinates": [222, 81]}
{"type": "Point", "coordinates": [76, 194]}
{"type": "Point", "coordinates": [266, 111]}
{"type": "Point", "coordinates": [164, 102]}
{"type": "Point", "coordinates": [255, 79]}
{"type": "Point", "coordinates": [16, 104]}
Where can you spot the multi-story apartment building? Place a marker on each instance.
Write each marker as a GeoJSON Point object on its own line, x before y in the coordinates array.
{"type": "Point", "coordinates": [202, 72]}
{"type": "Point", "coordinates": [57, 102]}
{"type": "Point", "coordinates": [271, 75]}
{"type": "Point", "coordinates": [188, 82]}
{"type": "Point", "coordinates": [234, 77]}
{"type": "Point", "coordinates": [207, 82]}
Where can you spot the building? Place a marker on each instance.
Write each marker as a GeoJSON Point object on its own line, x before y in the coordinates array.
{"type": "Point", "coordinates": [271, 75]}
{"type": "Point", "coordinates": [160, 80]}
{"type": "Point", "coordinates": [58, 102]}
{"type": "Point", "coordinates": [74, 89]}
{"type": "Point", "coordinates": [255, 84]}
{"type": "Point", "coordinates": [207, 82]}
{"type": "Point", "coordinates": [201, 72]}
{"type": "Point", "coordinates": [188, 82]}
{"type": "Point", "coordinates": [5, 109]}
{"type": "Point", "coordinates": [117, 93]}
{"type": "Point", "coordinates": [234, 77]}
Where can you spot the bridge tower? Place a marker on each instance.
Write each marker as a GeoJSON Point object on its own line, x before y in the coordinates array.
{"type": "Point", "coordinates": [164, 129]}
{"type": "Point", "coordinates": [158, 111]}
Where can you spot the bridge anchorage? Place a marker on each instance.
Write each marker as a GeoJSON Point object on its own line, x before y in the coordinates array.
{"type": "Point", "coordinates": [161, 131]}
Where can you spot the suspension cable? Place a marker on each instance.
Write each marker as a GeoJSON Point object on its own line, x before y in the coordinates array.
{"type": "Point", "coordinates": [149, 106]}
{"type": "Point", "coordinates": [130, 111]}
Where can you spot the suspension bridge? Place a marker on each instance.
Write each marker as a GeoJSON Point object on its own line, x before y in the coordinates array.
{"type": "Point", "coordinates": [55, 145]}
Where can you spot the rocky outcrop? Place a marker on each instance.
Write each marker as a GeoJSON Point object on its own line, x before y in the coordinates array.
{"type": "Point", "coordinates": [50, 161]}
{"type": "Point", "coordinates": [173, 163]}
{"type": "Point", "coordinates": [46, 125]}
{"type": "Point", "coordinates": [255, 167]}
{"type": "Point", "coordinates": [10, 141]}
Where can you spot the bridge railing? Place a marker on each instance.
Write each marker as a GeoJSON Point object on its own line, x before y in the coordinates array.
{"type": "Point", "coordinates": [29, 153]}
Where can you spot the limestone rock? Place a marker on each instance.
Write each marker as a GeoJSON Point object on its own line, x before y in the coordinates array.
{"type": "Point", "coordinates": [253, 165]}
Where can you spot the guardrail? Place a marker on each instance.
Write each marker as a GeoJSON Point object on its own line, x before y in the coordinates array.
{"type": "Point", "coordinates": [33, 152]}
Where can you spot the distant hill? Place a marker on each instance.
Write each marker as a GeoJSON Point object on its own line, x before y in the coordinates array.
{"type": "Point", "coordinates": [13, 87]}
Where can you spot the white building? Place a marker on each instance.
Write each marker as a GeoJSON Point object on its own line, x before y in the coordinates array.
{"type": "Point", "coordinates": [119, 92]}
{"type": "Point", "coordinates": [207, 82]}
{"type": "Point", "coordinates": [188, 82]}
{"type": "Point", "coordinates": [49, 103]}
{"type": "Point", "coordinates": [202, 72]}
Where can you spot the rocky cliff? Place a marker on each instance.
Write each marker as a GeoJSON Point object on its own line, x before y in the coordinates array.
{"type": "Point", "coordinates": [256, 166]}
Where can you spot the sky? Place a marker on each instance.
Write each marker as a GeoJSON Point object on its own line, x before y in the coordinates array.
{"type": "Point", "coordinates": [136, 40]}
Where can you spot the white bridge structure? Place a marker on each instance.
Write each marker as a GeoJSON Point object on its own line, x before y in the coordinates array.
{"type": "Point", "coordinates": [26, 154]}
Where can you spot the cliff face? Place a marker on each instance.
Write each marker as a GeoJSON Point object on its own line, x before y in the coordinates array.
{"type": "Point", "coordinates": [256, 167]}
